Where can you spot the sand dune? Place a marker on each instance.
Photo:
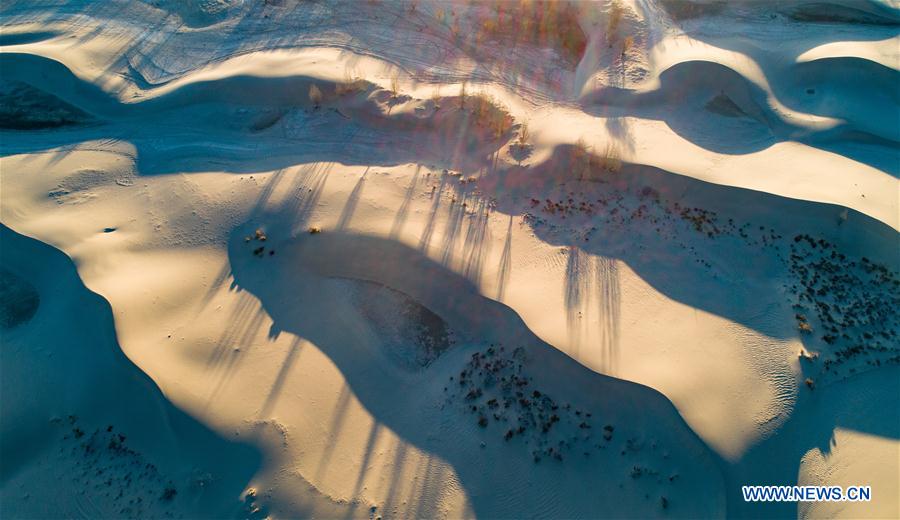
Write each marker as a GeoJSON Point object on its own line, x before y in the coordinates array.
{"type": "Point", "coordinates": [85, 432]}
{"type": "Point", "coordinates": [426, 259]}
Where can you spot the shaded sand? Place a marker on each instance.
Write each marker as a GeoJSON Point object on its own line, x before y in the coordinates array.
{"type": "Point", "coordinates": [19, 300]}
{"type": "Point", "coordinates": [84, 431]}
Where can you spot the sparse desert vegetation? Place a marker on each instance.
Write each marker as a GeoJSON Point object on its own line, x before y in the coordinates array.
{"type": "Point", "coordinates": [431, 259]}
{"type": "Point", "coordinates": [613, 21]}
{"type": "Point", "coordinates": [586, 162]}
{"type": "Point", "coordinates": [489, 113]}
{"type": "Point", "coordinates": [351, 84]}
{"type": "Point", "coordinates": [546, 23]}
{"type": "Point", "coordinates": [395, 84]}
{"type": "Point", "coordinates": [315, 96]}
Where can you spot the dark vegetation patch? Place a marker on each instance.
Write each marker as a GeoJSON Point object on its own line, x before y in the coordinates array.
{"type": "Point", "coordinates": [494, 389]}
{"type": "Point", "coordinates": [847, 307]}
{"type": "Point", "coordinates": [24, 107]}
{"type": "Point", "coordinates": [19, 300]}
{"type": "Point", "coordinates": [118, 479]}
{"type": "Point", "coordinates": [503, 399]}
{"type": "Point", "coordinates": [643, 210]}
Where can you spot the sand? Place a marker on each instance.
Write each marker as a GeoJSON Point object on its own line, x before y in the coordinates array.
{"type": "Point", "coordinates": [302, 256]}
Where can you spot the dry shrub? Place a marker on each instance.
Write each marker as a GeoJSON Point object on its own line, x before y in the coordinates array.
{"type": "Point", "coordinates": [610, 160]}
{"type": "Point", "coordinates": [489, 113]}
{"type": "Point", "coordinates": [548, 23]}
{"type": "Point", "coordinates": [581, 158]}
{"type": "Point", "coordinates": [395, 84]}
{"type": "Point", "coordinates": [351, 85]}
{"type": "Point", "coordinates": [436, 97]}
{"type": "Point", "coordinates": [315, 95]}
{"type": "Point", "coordinates": [585, 160]}
{"type": "Point", "coordinates": [615, 18]}
{"type": "Point", "coordinates": [523, 135]}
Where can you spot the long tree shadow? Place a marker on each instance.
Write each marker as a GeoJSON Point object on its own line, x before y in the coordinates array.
{"type": "Point", "coordinates": [414, 404]}
{"type": "Point", "coordinates": [306, 268]}
{"type": "Point", "coordinates": [696, 242]}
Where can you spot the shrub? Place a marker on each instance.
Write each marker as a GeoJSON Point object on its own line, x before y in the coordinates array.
{"type": "Point", "coordinates": [315, 95]}
{"type": "Point", "coordinates": [584, 160]}
{"type": "Point", "coordinates": [490, 114]}
{"type": "Point", "coordinates": [612, 23]}
{"type": "Point", "coordinates": [351, 85]}
{"type": "Point", "coordinates": [395, 84]}
{"type": "Point", "coordinates": [436, 97]}
{"type": "Point", "coordinates": [523, 134]}
{"type": "Point", "coordinates": [610, 160]}
{"type": "Point", "coordinates": [169, 493]}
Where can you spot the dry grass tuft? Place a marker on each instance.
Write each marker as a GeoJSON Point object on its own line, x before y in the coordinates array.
{"type": "Point", "coordinates": [610, 160]}
{"type": "Point", "coordinates": [585, 160]}
{"type": "Point", "coordinates": [395, 84]}
{"type": "Point", "coordinates": [315, 95]}
{"type": "Point", "coordinates": [523, 135]}
{"type": "Point", "coordinates": [436, 97]}
{"type": "Point", "coordinates": [488, 112]}
{"type": "Point", "coordinates": [351, 85]}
